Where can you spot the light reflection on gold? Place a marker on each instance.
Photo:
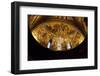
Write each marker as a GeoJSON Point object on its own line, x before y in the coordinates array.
{"type": "Point", "coordinates": [57, 33]}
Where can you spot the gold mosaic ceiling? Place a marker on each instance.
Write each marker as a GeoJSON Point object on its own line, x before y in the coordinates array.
{"type": "Point", "coordinates": [58, 33]}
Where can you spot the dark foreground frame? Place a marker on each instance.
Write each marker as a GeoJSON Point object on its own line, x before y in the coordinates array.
{"type": "Point", "coordinates": [15, 32]}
